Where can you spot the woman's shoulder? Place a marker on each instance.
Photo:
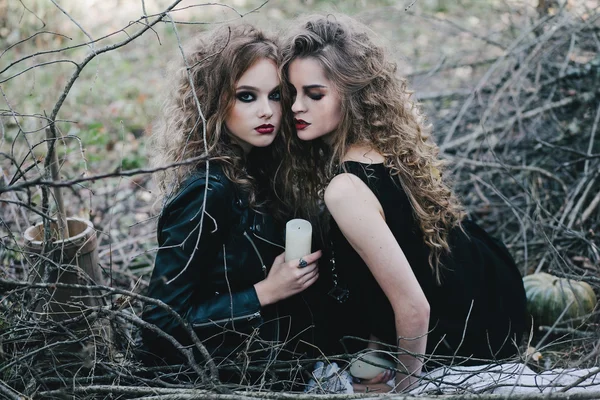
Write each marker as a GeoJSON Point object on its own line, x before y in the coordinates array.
{"type": "Point", "coordinates": [211, 173]}
{"type": "Point", "coordinates": [193, 187]}
{"type": "Point", "coordinates": [371, 174]}
{"type": "Point", "coordinates": [343, 184]}
{"type": "Point", "coordinates": [347, 187]}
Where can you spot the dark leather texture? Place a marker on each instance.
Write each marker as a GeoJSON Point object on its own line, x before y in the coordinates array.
{"type": "Point", "coordinates": [210, 256]}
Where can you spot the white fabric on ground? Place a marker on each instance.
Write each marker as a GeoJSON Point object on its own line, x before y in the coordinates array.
{"type": "Point", "coordinates": [510, 378]}
{"type": "Point", "coordinates": [504, 379]}
{"type": "Point", "coordinates": [329, 379]}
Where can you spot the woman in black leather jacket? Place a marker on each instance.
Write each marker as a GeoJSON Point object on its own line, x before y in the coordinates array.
{"type": "Point", "coordinates": [216, 233]}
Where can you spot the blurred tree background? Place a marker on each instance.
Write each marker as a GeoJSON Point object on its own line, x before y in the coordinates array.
{"type": "Point", "coordinates": [107, 113]}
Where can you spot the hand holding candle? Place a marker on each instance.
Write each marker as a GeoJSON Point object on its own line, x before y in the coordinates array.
{"type": "Point", "coordinates": [285, 278]}
{"type": "Point", "coordinates": [298, 239]}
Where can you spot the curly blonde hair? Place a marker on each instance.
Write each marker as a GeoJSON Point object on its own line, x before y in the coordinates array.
{"type": "Point", "coordinates": [202, 92]}
{"type": "Point", "coordinates": [377, 111]}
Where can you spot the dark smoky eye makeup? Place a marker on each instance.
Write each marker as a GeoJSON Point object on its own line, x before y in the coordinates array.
{"type": "Point", "coordinates": [275, 95]}
{"type": "Point", "coordinates": [245, 96]}
{"type": "Point", "coordinates": [315, 94]}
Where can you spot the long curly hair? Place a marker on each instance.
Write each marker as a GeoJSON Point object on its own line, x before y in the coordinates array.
{"type": "Point", "coordinates": [377, 111]}
{"type": "Point", "coordinates": [201, 94]}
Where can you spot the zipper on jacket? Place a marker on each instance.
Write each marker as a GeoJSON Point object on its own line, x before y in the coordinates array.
{"type": "Point", "coordinates": [264, 267]}
{"type": "Point", "coordinates": [268, 241]}
{"type": "Point", "coordinates": [247, 317]}
{"type": "Point", "coordinates": [273, 352]}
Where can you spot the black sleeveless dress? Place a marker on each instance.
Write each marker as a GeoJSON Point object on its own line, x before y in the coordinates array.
{"type": "Point", "coordinates": [477, 313]}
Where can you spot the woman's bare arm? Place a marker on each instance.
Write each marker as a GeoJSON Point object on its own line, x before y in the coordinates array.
{"type": "Point", "coordinates": [360, 217]}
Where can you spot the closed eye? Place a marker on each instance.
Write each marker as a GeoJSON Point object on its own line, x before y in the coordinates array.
{"type": "Point", "coordinates": [315, 96]}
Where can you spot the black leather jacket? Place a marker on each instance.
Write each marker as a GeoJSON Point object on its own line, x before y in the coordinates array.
{"type": "Point", "coordinates": [208, 278]}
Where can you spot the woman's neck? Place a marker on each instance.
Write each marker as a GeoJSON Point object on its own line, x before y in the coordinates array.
{"type": "Point", "coordinates": [363, 154]}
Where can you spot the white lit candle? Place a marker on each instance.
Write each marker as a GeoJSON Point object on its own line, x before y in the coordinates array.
{"type": "Point", "coordinates": [298, 238]}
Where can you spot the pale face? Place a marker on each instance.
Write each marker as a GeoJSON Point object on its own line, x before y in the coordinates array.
{"type": "Point", "coordinates": [255, 117]}
{"type": "Point", "coordinates": [317, 104]}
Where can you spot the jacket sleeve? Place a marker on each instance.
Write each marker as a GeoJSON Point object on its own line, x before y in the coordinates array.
{"type": "Point", "coordinates": [184, 246]}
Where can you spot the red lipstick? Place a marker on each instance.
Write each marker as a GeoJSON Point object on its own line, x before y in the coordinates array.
{"type": "Point", "coordinates": [300, 124]}
{"type": "Point", "coordinates": [265, 129]}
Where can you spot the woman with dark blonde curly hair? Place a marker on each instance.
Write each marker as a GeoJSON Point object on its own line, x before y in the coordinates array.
{"type": "Point", "coordinates": [217, 234]}
{"type": "Point", "coordinates": [407, 268]}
